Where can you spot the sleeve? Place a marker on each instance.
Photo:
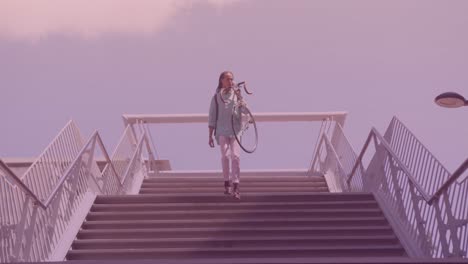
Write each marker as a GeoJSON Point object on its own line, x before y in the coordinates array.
{"type": "Point", "coordinates": [212, 113]}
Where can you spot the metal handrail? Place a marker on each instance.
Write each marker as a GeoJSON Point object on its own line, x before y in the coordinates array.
{"type": "Point", "coordinates": [436, 227]}
{"type": "Point", "coordinates": [48, 146]}
{"type": "Point", "coordinates": [49, 202]}
{"type": "Point", "coordinates": [415, 155]}
{"type": "Point", "coordinates": [458, 172]}
{"type": "Point", "coordinates": [340, 137]}
{"type": "Point", "coordinates": [20, 183]}
{"type": "Point", "coordinates": [330, 145]}
{"type": "Point", "coordinates": [143, 126]}
{"type": "Point", "coordinates": [139, 146]}
{"type": "Point", "coordinates": [375, 133]}
{"type": "Point", "coordinates": [106, 155]}
{"type": "Point", "coordinates": [316, 147]}
{"type": "Point", "coordinates": [67, 173]}
{"type": "Point", "coordinates": [151, 140]}
{"type": "Point", "coordinates": [45, 204]}
{"type": "Point", "coordinates": [428, 198]}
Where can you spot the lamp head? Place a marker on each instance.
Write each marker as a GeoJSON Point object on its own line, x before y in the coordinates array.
{"type": "Point", "coordinates": [451, 100]}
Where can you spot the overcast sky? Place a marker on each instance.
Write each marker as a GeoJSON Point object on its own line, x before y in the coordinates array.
{"type": "Point", "coordinates": [95, 60]}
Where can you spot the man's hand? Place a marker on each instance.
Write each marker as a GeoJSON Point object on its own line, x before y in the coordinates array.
{"type": "Point", "coordinates": [211, 142]}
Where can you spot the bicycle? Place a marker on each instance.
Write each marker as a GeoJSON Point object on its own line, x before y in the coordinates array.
{"type": "Point", "coordinates": [242, 121]}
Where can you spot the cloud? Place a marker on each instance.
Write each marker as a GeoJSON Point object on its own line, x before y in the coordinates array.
{"type": "Point", "coordinates": [32, 19]}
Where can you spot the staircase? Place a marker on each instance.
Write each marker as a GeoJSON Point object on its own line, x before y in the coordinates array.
{"type": "Point", "coordinates": [189, 219]}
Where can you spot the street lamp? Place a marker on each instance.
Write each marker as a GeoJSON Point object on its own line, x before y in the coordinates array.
{"type": "Point", "coordinates": [451, 100]}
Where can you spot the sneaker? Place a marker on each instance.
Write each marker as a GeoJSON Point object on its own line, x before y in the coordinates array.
{"type": "Point", "coordinates": [236, 192]}
{"type": "Point", "coordinates": [227, 188]}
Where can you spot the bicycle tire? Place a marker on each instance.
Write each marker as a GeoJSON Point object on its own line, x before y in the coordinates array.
{"type": "Point", "coordinates": [240, 128]}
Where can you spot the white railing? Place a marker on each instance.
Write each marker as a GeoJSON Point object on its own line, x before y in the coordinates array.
{"type": "Point", "coordinates": [327, 119]}
{"type": "Point", "coordinates": [425, 168]}
{"type": "Point", "coordinates": [431, 212]}
{"type": "Point", "coordinates": [339, 117]}
{"type": "Point", "coordinates": [334, 157]}
{"type": "Point", "coordinates": [35, 210]}
{"type": "Point", "coordinates": [427, 202]}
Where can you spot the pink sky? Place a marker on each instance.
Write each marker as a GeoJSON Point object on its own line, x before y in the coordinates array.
{"type": "Point", "coordinates": [95, 60]}
{"type": "Point", "coordinates": [32, 19]}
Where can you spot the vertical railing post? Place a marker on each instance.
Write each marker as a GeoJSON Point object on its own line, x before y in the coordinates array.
{"type": "Point", "coordinates": [452, 225]}
{"type": "Point", "coordinates": [375, 168]}
{"type": "Point", "coordinates": [397, 188]}
{"type": "Point", "coordinates": [150, 148]}
{"type": "Point", "coordinates": [19, 232]}
{"type": "Point", "coordinates": [74, 180]}
{"type": "Point", "coordinates": [29, 233]}
{"type": "Point", "coordinates": [55, 212]}
{"type": "Point", "coordinates": [442, 228]}
{"type": "Point", "coordinates": [420, 222]}
{"type": "Point", "coordinates": [89, 163]}
{"type": "Point", "coordinates": [316, 156]}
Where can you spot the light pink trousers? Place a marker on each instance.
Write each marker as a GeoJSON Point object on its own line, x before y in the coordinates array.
{"type": "Point", "coordinates": [229, 144]}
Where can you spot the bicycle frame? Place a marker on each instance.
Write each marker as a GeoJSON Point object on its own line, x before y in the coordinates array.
{"type": "Point", "coordinates": [237, 92]}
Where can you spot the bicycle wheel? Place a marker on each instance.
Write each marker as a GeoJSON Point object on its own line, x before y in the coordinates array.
{"type": "Point", "coordinates": [244, 128]}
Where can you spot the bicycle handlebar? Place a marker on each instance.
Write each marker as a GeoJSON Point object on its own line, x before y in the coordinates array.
{"type": "Point", "coordinates": [238, 87]}
{"type": "Point", "coordinates": [245, 87]}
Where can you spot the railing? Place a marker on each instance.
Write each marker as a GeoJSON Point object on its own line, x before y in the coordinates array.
{"type": "Point", "coordinates": [335, 155]}
{"type": "Point", "coordinates": [327, 119]}
{"type": "Point", "coordinates": [327, 162]}
{"type": "Point", "coordinates": [136, 163]}
{"type": "Point", "coordinates": [425, 168]}
{"type": "Point", "coordinates": [120, 161]}
{"type": "Point", "coordinates": [405, 176]}
{"type": "Point", "coordinates": [36, 210]}
{"type": "Point", "coordinates": [25, 200]}
{"type": "Point", "coordinates": [428, 202]}
{"type": "Point", "coordinates": [433, 211]}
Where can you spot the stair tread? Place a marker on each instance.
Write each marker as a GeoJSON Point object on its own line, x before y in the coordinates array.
{"type": "Point", "coordinates": [229, 220]}
{"type": "Point", "coordinates": [240, 211]}
{"type": "Point", "coordinates": [245, 193]}
{"type": "Point", "coordinates": [295, 260]}
{"type": "Point", "coordinates": [237, 238]}
{"type": "Point", "coordinates": [276, 248]}
{"type": "Point", "coordinates": [248, 197]}
{"type": "Point", "coordinates": [238, 204]}
{"type": "Point", "coordinates": [228, 228]}
{"type": "Point", "coordinates": [221, 183]}
{"type": "Point", "coordinates": [212, 199]}
{"type": "Point", "coordinates": [278, 216]}
{"type": "Point", "coordinates": [175, 178]}
{"type": "Point", "coordinates": [257, 221]}
{"type": "Point", "coordinates": [122, 205]}
{"type": "Point", "coordinates": [308, 194]}
{"type": "Point", "coordinates": [243, 188]}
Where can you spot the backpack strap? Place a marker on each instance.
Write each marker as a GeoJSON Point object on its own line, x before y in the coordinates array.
{"type": "Point", "coordinates": [215, 97]}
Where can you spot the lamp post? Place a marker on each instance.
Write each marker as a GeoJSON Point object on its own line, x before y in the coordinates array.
{"type": "Point", "coordinates": [451, 100]}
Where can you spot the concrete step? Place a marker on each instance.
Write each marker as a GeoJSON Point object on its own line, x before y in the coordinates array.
{"type": "Point", "coordinates": [249, 222]}
{"type": "Point", "coordinates": [121, 207]}
{"type": "Point", "coordinates": [237, 214]}
{"type": "Point", "coordinates": [233, 232]}
{"type": "Point", "coordinates": [186, 179]}
{"type": "Point", "coordinates": [243, 189]}
{"type": "Point", "coordinates": [243, 184]}
{"type": "Point", "coordinates": [278, 218]}
{"type": "Point", "coordinates": [232, 242]}
{"type": "Point", "coordinates": [212, 198]}
{"type": "Point", "coordinates": [241, 252]}
{"type": "Point", "coordinates": [282, 260]}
